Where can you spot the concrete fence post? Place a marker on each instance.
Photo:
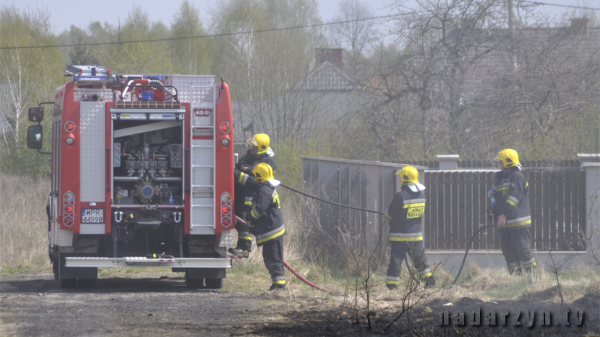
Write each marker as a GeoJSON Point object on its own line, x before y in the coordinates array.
{"type": "Point", "coordinates": [448, 161]}
{"type": "Point", "coordinates": [591, 167]}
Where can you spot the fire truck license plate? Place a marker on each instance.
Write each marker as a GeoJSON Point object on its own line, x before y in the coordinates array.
{"type": "Point", "coordinates": [92, 215]}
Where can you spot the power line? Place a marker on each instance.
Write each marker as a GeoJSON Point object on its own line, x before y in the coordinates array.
{"type": "Point", "coordinates": [207, 36]}
{"type": "Point", "coordinates": [557, 5]}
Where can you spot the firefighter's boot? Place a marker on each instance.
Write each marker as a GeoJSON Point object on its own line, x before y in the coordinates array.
{"type": "Point", "coordinates": [277, 287]}
{"type": "Point", "coordinates": [430, 282]}
{"type": "Point", "coordinates": [528, 266]}
{"type": "Point", "coordinates": [239, 251]}
{"type": "Point", "coordinates": [391, 286]}
{"type": "Point", "coordinates": [392, 282]}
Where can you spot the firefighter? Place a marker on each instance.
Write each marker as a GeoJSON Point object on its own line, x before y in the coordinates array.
{"type": "Point", "coordinates": [260, 152]}
{"type": "Point", "coordinates": [512, 213]}
{"type": "Point", "coordinates": [405, 217]}
{"type": "Point", "coordinates": [265, 220]}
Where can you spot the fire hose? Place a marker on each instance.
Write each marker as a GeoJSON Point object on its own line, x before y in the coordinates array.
{"type": "Point", "coordinates": [303, 279]}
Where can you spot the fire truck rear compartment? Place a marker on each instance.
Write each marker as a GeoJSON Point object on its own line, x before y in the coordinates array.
{"type": "Point", "coordinates": [148, 163]}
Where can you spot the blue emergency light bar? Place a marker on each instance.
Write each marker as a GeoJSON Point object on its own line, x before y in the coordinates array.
{"type": "Point", "coordinates": [88, 72]}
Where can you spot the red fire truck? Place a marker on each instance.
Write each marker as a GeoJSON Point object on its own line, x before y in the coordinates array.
{"type": "Point", "coordinates": [142, 174]}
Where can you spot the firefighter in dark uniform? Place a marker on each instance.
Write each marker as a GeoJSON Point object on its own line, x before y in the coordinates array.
{"type": "Point", "coordinates": [260, 152]}
{"type": "Point", "coordinates": [404, 215]}
{"type": "Point", "coordinates": [266, 222]}
{"type": "Point", "coordinates": [512, 213]}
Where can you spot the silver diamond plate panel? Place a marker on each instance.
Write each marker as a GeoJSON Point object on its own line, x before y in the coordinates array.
{"type": "Point", "coordinates": [91, 229]}
{"type": "Point", "coordinates": [202, 176]}
{"type": "Point", "coordinates": [65, 238]}
{"type": "Point", "coordinates": [202, 95]}
{"type": "Point", "coordinates": [202, 142]}
{"type": "Point", "coordinates": [202, 121]}
{"type": "Point", "coordinates": [226, 239]}
{"type": "Point", "coordinates": [186, 92]}
{"type": "Point", "coordinates": [202, 216]}
{"type": "Point", "coordinates": [204, 230]}
{"type": "Point", "coordinates": [83, 94]}
{"type": "Point", "coordinates": [202, 201]}
{"type": "Point", "coordinates": [202, 156]}
{"type": "Point", "coordinates": [93, 152]}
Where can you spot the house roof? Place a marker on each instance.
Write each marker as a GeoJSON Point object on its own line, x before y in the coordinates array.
{"type": "Point", "coordinates": [326, 77]}
{"type": "Point", "coordinates": [242, 119]}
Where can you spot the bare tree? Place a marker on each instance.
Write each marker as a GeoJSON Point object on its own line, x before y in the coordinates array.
{"type": "Point", "coordinates": [460, 81]}
{"type": "Point", "coordinates": [265, 68]}
{"type": "Point", "coordinates": [191, 56]}
{"type": "Point", "coordinates": [355, 36]}
{"type": "Point", "coordinates": [30, 76]}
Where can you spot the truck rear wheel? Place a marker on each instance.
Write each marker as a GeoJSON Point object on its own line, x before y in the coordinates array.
{"type": "Point", "coordinates": [214, 283]}
{"type": "Point", "coordinates": [87, 282]}
{"type": "Point", "coordinates": [193, 282]}
{"type": "Point", "coordinates": [55, 269]}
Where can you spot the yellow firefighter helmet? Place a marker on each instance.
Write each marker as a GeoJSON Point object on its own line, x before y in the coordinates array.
{"type": "Point", "coordinates": [263, 172]}
{"type": "Point", "coordinates": [509, 157]}
{"type": "Point", "coordinates": [409, 175]}
{"type": "Point", "coordinates": [261, 141]}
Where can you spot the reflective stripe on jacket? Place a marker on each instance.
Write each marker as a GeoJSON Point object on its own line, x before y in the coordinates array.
{"type": "Point", "coordinates": [265, 215]}
{"type": "Point", "coordinates": [405, 214]}
{"type": "Point", "coordinates": [245, 184]}
{"type": "Point", "coordinates": [511, 191]}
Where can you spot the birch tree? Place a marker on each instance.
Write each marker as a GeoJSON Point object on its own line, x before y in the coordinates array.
{"type": "Point", "coordinates": [190, 56]}
{"type": "Point", "coordinates": [31, 76]}
{"type": "Point", "coordinates": [264, 67]}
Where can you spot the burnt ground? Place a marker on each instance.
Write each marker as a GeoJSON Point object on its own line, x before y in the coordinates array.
{"type": "Point", "coordinates": [32, 304]}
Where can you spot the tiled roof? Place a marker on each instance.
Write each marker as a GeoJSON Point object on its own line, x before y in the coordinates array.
{"type": "Point", "coordinates": [326, 77]}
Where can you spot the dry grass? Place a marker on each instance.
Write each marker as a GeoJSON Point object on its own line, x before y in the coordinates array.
{"type": "Point", "coordinates": [495, 284]}
{"type": "Point", "coordinates": [23, 223]}
{"type": "Point", "coordinates": [490, 284]}
{"type": "Point", "coordinates": [24, 242]}
{"type": "Point", "coordinates": [252, 275]}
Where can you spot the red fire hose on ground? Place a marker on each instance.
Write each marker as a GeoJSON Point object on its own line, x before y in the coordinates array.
{"type": "Point", "coordinates": [302, 278]}
{"type": "Point", "coordinates": [364, 210]}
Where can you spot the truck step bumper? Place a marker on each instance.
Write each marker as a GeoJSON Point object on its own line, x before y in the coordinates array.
{"type": "Point", "coordinates": [138, 261]}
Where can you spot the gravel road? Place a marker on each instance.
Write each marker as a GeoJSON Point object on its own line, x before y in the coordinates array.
{"type": "Point", "coordinates": [32, 304]}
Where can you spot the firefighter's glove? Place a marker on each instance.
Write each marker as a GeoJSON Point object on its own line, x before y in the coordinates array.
{"type": "Point", "coordinates": [242, 167]}
{"type": "Point", "coordinates": [386, 222]}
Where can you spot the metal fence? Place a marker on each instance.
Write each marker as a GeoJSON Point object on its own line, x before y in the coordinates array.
{"type": "Point", "coordinates": [456, 203]}
{"type": "Point", "coordinates": [360, 184]}
{"type": "Point", "coordinates": [491, 164]}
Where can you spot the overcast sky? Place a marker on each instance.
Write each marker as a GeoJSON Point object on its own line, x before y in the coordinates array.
{"type": "Point", "coordinates": [65, 13]}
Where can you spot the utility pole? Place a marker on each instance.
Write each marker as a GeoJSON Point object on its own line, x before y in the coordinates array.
{"type": "Point", "coordinates": [511, 32]}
